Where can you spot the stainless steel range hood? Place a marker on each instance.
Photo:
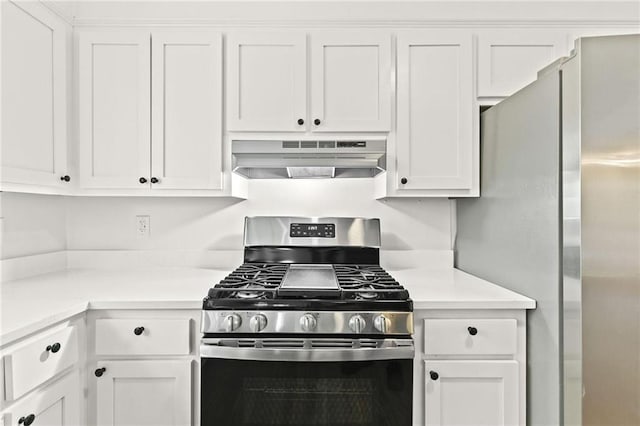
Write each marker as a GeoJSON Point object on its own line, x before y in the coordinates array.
{"type": "Point", "coordinates": [272, 159]}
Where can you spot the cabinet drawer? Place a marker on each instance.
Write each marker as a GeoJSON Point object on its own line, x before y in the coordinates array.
{"type": "Point", "coordinates": [35, 362]}
{"type": "Point", "coordinates": [470, 336]}
{"type": "Point", "coordinates": [143, 336]}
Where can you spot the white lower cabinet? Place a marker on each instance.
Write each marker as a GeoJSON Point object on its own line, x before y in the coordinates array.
{"type": "Point", "coordinates": [471, 393]}
{"type": "Point", "coordinates": [54, 405]}
{"type": "Point", "coordinates": [148, 392]}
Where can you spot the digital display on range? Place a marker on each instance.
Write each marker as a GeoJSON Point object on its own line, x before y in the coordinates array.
{"type": "Point", "coordinates": [314, 230]}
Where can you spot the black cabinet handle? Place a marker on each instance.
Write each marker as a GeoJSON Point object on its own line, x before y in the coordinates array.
{"type": "Point", "coordinates": [99, 372]}
{"type": "Point", "coordinates": [26, 421]}
{"type": "Point", "coordinates": [433, 375]}
{"type": "Point", "coordinates": [300, 121]}
{"type": "Point", "coordinates": [138, 331]}
{"type": "Point", "coordinates": [404, 180]}
{"type": "Point", "coordinates": [472, 331]}
{"type": "Point", "coordinates": [65, 178]}
{"type": "Point", "coordinates": [143, 180]}
{"type": "Point", "coordinates": [155, 180]}
{"type": "Point", "coordinates": [316, 121]}
{"type": "Point", "coordinates": [54, 348]}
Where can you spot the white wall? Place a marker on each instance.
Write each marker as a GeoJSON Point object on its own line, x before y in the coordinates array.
{"type": "Point", "coordinates": [108, 223]}
{"type": "Point", "coordinates": [31, 224]}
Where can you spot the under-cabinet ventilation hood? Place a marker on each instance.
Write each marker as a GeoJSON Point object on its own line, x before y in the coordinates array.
{"type": "Point", "coordinates": [272, 159]}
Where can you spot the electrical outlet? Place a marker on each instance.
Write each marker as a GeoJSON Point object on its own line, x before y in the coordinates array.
{"type": "Point", "coordinates": [143, 226]}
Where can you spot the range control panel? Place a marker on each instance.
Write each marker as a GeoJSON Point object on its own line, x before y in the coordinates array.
{"type": "Point", "coordinates": [313, 230]}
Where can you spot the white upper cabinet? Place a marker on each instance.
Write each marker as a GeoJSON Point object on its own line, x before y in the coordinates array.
{"type": "Point", "coordinates": [350, 81]}
{"type": "Point", "coordinates": [509, 60]}
{"type": "Point", "coordinates": [187, 111]}
{"type": "Point", "coordinates": [436, 141]}
{"type": "Point", "coordinates": [34, 119]}
{"type": "Point", "coordinates": [267, 82]}
{"type": "Point", "coordinates": [114, 109]}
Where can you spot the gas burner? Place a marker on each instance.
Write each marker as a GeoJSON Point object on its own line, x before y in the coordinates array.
{"type": "Point", "coordinates": [366, 295]}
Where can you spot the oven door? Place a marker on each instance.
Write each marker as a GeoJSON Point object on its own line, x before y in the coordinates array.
{"type": "Point", "coordinates": [307, 382]}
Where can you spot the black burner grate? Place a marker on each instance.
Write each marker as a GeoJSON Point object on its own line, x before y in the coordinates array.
{"type": "Point", "coordinates": [368, 282]}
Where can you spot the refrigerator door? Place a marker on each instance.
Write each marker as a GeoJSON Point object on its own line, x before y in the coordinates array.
{"type": "Point", "coordinates": [610, 210]}
{"type": "Point", "coordinates": [511, 234]}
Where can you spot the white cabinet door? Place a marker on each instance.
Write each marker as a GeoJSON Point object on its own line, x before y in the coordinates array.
{"type": "Point", "coordinates": [144, 393]}
{"type": "Point", "coordinates": [471, 393]}
{"type": "Point", "coordinates": [34, 106]}
{"type": "Point", "coordinates": [267, 82]}
{"type": "Point", "coordinates": [114, 109]}
{"type": "Point", "coordinates": [509, 60]}
{"type": "Point", "coordinates": [351, 81]}
{"type": "Point", "coordinates": [55, 405]}
{"type": "Point", "coordinates": [436, 135]}
{"type": "Point", "coordinates": [187, 110]}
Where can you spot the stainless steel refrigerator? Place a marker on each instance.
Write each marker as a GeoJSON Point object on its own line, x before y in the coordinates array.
{"type": "Point", "coordinates": [558, 220]}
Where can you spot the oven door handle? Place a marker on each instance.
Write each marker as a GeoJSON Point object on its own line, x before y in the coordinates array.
{"type": "Point", "coordinates": [307, 354]}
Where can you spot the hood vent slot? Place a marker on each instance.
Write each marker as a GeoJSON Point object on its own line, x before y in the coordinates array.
{"type": "Point", "coordinates": [269, 159]}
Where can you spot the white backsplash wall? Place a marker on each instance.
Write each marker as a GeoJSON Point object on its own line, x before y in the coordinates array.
{"type": "Point", "coordinates": [31, 224]}
{"type": "Point", "coordinates": [108, 223]}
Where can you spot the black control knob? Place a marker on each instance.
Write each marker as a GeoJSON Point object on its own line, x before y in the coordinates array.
{"type": "Point", "coordinates": [154, 180]}
{"type": "Point", "coordinates": [100, 371]}
{"type": "Point", "coordinates": [53, 348]}
{"type": "Point", "coordinates": [65, 178]}
{"type": "Point", "coordinates": [472, 331]}
{"type": "Point", "coordinates": [316, 121]}
{"type": "Point", "coordinates": [404, 180]}
{"type": "Point", "coordinates": [138, 331]}
{"type": "Point", "coordinates": [26, 421]}
{"type": "Point", "coordinates": [142, 180]}
{"type": "Point", "coordinates": [433, 375]}
{"type": "Point", "coordinates": [300, 121]}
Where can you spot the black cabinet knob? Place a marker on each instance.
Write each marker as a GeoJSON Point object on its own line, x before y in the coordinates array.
{"type": "Point", "coordinates": [155, 180]}
{"type": "Point", "coordinates": [433, 375]}
{"type": "Point", "coordinates": [316, 121]}
{"type": "Point", "coordinates": [26, 421]}
{"type": "Point", "coordinates": [143, 180]}
{"type": "Point", "coordinates": [53, 348]}
{"type": "Point", "coordinates": [65, 178]}
{"type": "Point", "coordinates": [404, 180]}
{"type": "Point", "coordinates": [472, 331]}
{"type": "Point", "coordinates": [100, 371]}
{"type": "Point", "coordinates": [300, 121]}
{"type": "Point", "coordinates": [138, 331]}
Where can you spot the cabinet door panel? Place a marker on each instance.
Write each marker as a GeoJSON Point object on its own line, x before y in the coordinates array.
{"type": "Point", "coordinates": [472, 393]}
{"type": "Point", "coordinates": [144, 393]}
{"type": "Point", "coordinates": [114, 110]}
{"type": "Point", "coordinates": [435, 110]}
{"type": "Point", "coordinates": [55, 405]}
{"type": "Point", "coordinates": [187, 110]}
{"type": "Point", "coordinates": [508, 61]}
{"type": "Point", "coordinates": [33, 95]}
{"type": "Point", "coordinates": [267, 82]}
{"type": "Point", "coordinates": [351, 82]}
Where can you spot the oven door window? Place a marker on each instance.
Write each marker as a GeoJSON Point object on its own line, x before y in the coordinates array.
{"type": "Point", "coordinates": [354, 393]}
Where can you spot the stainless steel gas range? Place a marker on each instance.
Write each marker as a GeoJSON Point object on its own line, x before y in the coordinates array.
{"type": "Point", "coordinates": [310, 330]}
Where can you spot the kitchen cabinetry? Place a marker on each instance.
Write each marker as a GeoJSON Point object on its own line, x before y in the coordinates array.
{"type": "Point", "coordinates": [54, 405]}
{"type": "Point", "coordinates": [144, 367]}
{"type": "Point", "coordinates": [119, 109]}
{"type": "Point", "coordinates": [34, 98]}
{"type": "Point", "coordinates": [349, 79]}
{"type": "Point", "coordinates": [508, 60]}
{"type": "Point", "coordinates": [470, 368]}
{"type": "Point", "coordinates": [437, 138]}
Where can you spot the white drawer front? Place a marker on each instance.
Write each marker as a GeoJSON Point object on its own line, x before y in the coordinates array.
{"type": "Point", "coordinates": [32, 364]}
{"type": "Point", "coordinates": [158, 337]}
{"type": "Point", "coordinates": [470, 336]}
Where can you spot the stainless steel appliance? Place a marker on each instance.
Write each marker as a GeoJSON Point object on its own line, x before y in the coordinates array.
{"type": "Point", "coordinates": [559, 220]}
{"type": "Point", "coordinates": [310, 330]}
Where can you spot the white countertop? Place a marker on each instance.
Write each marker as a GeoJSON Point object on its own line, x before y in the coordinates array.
{"type": "Point", "coordinates": [30, 304]}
